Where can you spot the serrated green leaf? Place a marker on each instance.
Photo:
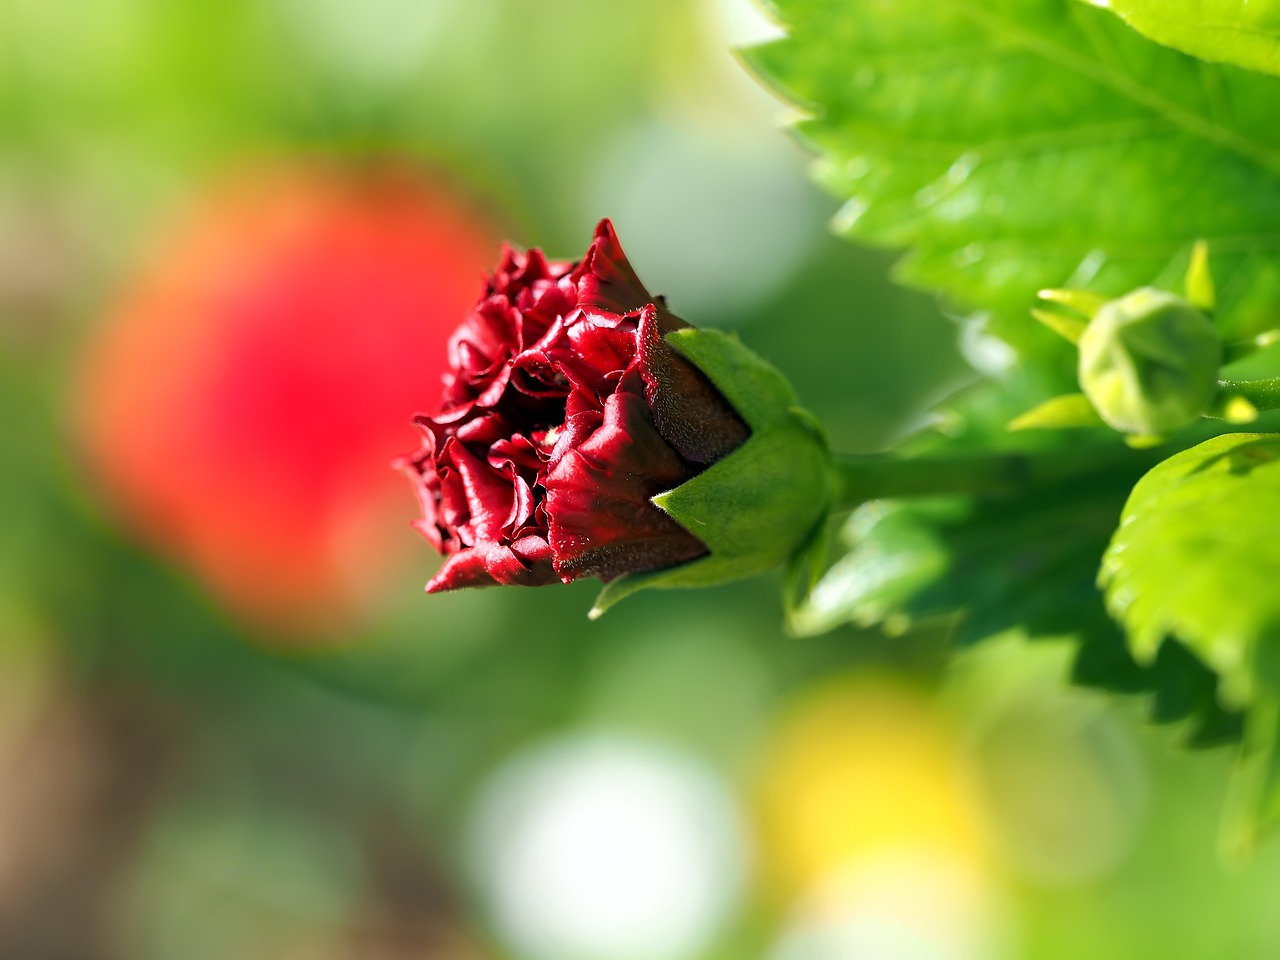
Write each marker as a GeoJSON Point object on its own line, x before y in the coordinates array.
{"type": "Point", "coordinates": [1016, 145]}
{"type": "Point", "coordinates": [1245, 33]}
{"type": "Point", "coordinates": [1196, 554]}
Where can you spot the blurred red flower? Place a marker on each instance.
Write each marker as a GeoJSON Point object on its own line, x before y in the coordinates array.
{"type": "Point", "coordinates": [244, 399]}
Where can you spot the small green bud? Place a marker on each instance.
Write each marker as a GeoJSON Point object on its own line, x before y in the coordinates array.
{"type": "Point", "coordinates": [1149, 362]}
{"type": "Point", "coordinates": [759, 505]}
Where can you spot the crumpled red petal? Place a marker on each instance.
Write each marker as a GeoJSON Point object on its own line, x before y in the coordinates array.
{"type": "Point", "coordinates": [564, 413]}
{"type": "Point", "coordinates": [602, 523]}
{"type": "Point", "coordinates": [493, 564]}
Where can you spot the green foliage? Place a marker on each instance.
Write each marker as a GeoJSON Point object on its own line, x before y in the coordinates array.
{"type": "Point", "coordinates": [1193, 563]}
{"type": "Point", "coordinates": [1241, 32]}
{"type": "Point", "coordinates": [1012, 145]}
{"type": "Point", "coordinates": [1021, 563]}
{"type": "Point", "coordinates": [1009, 146]}
{"type": "Point", "coordinates": [1196, 553]}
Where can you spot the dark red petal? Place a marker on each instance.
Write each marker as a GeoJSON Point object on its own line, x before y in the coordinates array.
{"type": "Point", "coordinates": [536, 373]}
{"type": "Point", "coordinates": [465, 569]}
{"type": "Point", "coordinates": [598, 531]}
{"type": "Point", "coordinates": [579, 425]}
{"type": "Point", "coordinates": [488, 564]}
{"type": "Point", "coordinates": [689, 412]}
{"type": "Point", "coordinates": [595, 355]}
{"type": "Point", "coordinates": [604, 278]}
{"type": "Point", "coordinates": [518, 451]}
{"type": "Point", "coordinates": [485, 335]}
{"type": "Point", "coordinates": [522, 504]}
{"type": "Point", "coordinates": [628, 444]}
{"type": "Point", "coordinates": [534, 550]}
{"type": "Point", "coordinates": [490, 496]}
{"type": "Point", "coordinates": [508, 265]}
{"type": "Point", "coordinates": [607, 343]}
{"type": "Point", "coordinates": [483, 430]}
{"type": "Point", "coordinates": [600, 520]}
{"type": "Point", "coordinates": [520, 270]}
{"type": "Point", "coordinates": [420, 469]}
{"type": "Point", "coordinates": [442, 422]}
{"type": "Point", "coordinates": [545, 303]}
{"type": "Point", "coordinates": [429, 529]}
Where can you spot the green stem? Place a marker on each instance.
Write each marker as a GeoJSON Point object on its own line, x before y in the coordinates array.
{"type": "Point", "coordinates": [1261, 394]}
{"type": "Point", "coordinates": [860, 478]}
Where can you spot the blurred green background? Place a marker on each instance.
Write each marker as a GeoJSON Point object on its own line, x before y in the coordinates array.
{"type": "Point", "coordinates": [188, 773]}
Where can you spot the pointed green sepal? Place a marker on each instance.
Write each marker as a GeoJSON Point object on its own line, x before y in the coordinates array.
{"type": "Point", "coordinates": [1068, 328]}
{"type": "Point", "coordinates": [625, 586]}
{"type": "Point", "coordinates": [1081, 301]}
{"type": "Point", "coordinates": [1199, 282]}
{"type": "Point", "coordinates": [804, 572]}
{"type": "Point", "coordinates": [1144, 441]}
{"type": "Point", "coordinates": [1058, 413]}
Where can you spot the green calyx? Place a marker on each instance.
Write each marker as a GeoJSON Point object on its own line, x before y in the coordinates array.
{"type": "Point", "coordinates": [758, 506]}
{"type": "Point", "coordinates": [1149, 363]}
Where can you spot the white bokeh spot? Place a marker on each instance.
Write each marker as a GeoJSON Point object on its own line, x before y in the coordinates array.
{"type": "Point", "coordinates": [606, 848]}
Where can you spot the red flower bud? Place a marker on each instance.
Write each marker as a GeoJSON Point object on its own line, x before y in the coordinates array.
{"type": "Point", "coordinates": [564, 414]}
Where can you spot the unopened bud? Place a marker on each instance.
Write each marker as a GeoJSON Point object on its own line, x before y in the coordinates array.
{"type": "Point", "coordinates": [1149, 362]}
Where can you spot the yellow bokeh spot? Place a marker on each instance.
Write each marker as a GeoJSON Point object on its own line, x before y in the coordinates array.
{"type": "Point", "coordinates": [855, 767]}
